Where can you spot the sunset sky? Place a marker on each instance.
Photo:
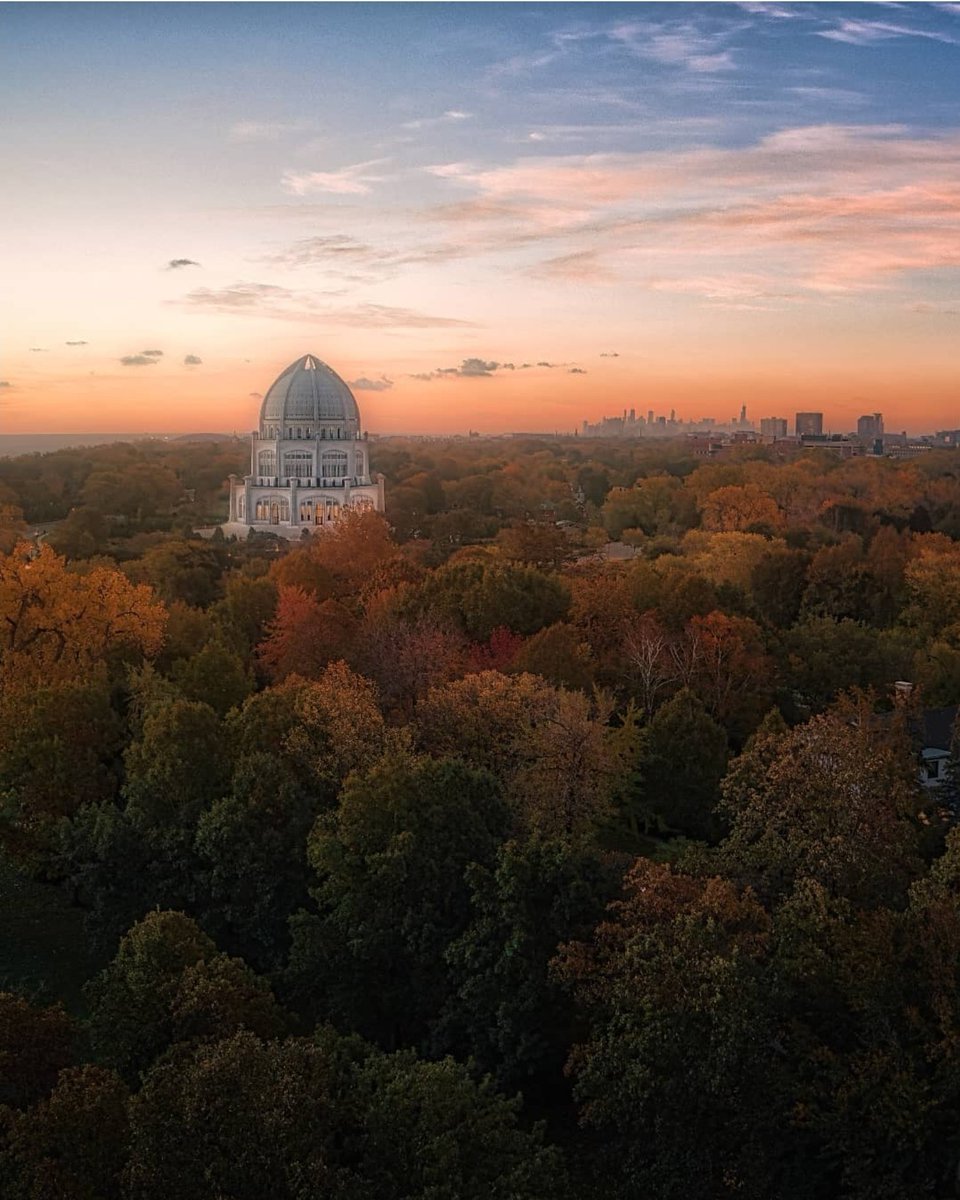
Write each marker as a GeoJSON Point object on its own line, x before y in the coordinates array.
{"type": "Point", "coordinates": [495, 217]}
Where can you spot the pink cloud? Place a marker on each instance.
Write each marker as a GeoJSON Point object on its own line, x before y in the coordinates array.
{"type": "Point", "coordinates": [831, 207]}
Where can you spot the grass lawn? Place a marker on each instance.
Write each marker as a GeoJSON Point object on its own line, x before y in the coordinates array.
{"type": "Point", "coordinates": [44, 951]}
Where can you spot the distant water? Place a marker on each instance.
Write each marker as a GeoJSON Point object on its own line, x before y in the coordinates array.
{"type": "Point", "coordinates": [13, 444]}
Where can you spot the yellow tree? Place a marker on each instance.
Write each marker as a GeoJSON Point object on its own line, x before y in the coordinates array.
{"type": "Point", "coordinates": [55, 625]}
{"type": "Point", "coordinates": [341, 728]}
{"type": "Point", "coordinates": [558, 755]}
{"type": "Point", "coordinates": [737, 508]}
{"type": "Point", "coordinates": [12, 526]}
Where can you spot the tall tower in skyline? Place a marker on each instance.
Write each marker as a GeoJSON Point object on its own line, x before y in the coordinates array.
{"type": "Point", "coordinates": [870, 426]}
{"type": "Point", "coordinates": [809, 424]}
{"type": "Point", "coordinates": [775, 427]}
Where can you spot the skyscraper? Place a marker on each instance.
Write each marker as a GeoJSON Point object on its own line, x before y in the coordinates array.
{"type": "Point", "coordinates": [870, 426]}
{"type": "Point", "coordinates": [775, 427]}
{"type": "Point", "coordinates": [809, 424]}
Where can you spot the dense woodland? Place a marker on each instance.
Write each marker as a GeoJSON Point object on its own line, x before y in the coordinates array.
{"type": "Point", "coordinates": [446, 856]}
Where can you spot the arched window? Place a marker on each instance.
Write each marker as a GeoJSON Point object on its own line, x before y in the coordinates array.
{"type": "Point", "coordinates": [358, 463]}
{"type": "Point", "coordinates": [273, 509]}
{"type": "Point", "coordinates": [334, 464]}
{"type": "Point", "coordinates": [298, 464]}
{"type": "Point", "coordinates": [267, 462]}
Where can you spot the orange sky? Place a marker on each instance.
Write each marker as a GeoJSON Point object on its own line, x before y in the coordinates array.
{"type": "Point", "coordinates": [510, 224]}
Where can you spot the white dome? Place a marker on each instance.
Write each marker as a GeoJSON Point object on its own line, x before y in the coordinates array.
{"type": "Point", "coordinates": [309, 390]}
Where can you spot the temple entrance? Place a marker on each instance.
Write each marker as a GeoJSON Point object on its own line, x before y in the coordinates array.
{"type": "Point", "coordinates": [273, 510]}
{"type": "Point", "coordinates": [318, 511]}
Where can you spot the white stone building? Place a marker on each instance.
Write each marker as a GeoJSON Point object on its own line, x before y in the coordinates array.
{"type": "Point", "coordinates": [309, 460]}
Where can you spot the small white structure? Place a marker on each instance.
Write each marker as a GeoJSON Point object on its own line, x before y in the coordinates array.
{"type": "Point", "coordinates": [309, 460]}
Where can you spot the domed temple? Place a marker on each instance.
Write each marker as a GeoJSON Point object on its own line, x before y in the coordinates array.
{"type": "Point", "coordinates": [308, 460]}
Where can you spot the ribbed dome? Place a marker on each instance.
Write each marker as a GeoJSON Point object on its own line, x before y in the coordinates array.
{"type": "Point", "coordinates": [309, 390]}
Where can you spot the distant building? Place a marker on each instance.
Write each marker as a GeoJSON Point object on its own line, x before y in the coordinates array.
{"type": "Point", "coordinates": [309, 459]}
{"type": "Point", "coordinates": [809, 424]}
{"type": "Point", "coordinates": [870, 426]}
{"type": "Point", "coordinates": [775, 427]}
{"type": "Point", "coordinates": [835, 443]}
{"type": "Point", "coordinates": [629, 425]}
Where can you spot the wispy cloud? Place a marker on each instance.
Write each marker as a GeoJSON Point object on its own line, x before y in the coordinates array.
{"type": "Point", "coordinates": [353, 180]}
{"type": "Point", "coordinates": [357, 261]}
{"type": "Point", "coordinates": [152, 353]}
{"type": "Point", "coordinates": [270, 300]}
{"type": "Point", "coordinates": [451, 116]}
{"type": "Point", "coordinates": [780, 12]}
{"type": "Point", "coordinates": [138, 360]}
{"type": "Point", "coordinates": [75, 343]}
{"type": "Point", "coordinates": [5, 383]}
{"type": "Point", "coordinates": [238, 296]}
{"type": "Point", "coordinates": [837, 207]}
{"type": "Point", "coordinates": [483, 368]}
{"type": "Point", "coordinates": [384, 316]}
{"type": "Point", "coordinates": [177, 264]}
{"type": "Point", "coordinates": [580, 266]}
{"type": "Point", "coordinates": [363, 384]}
{"type": "Point", "coordinates": [192, 360]}
{"type": "Point", "coordinates": [869, 33]}
{"type": "Point", "coordinates": [682, 44]}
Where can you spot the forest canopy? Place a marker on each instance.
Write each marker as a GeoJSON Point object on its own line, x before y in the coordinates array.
{"type": "Point", "coordinates": [562, 831]}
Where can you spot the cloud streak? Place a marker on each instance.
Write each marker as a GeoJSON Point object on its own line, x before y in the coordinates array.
{"type": "Point", "coordinates": [872, 33]}
{"type": "Point", "coordinates": [482, 368]}
{"type": "Point", "coordinates": [354, 180]}
{"type": "Point", "coordinates": [835, 207]}
{"type": "Point", "coordinates": [451, 116]}
{"type": "Point", "coordinates": [271, 300]}
{"type": "Point", "coordinates": [363, 384]}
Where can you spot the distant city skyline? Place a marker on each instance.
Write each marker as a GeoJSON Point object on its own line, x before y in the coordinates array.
{"type": "Point", "coordinates": [489, 217]}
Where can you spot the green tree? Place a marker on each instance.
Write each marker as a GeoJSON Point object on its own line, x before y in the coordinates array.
{"type": "Point", "coordinates": [836, 800]}
{"type": "Point", "coordinates": [391, 894]}
{"type": "Point", "coordinates": [480, 597]}
{"type": "Point", "coordinates": [72, 1145]}
{"type": "Point", "coordinates": [683, 757]}
{"type": "Point", "coordinates": [557, 654]}
{"type": "Point", "coordinates": [59, 751]}
{"type": "Point", "coordinates": [302, 1120]}
{"type": "Point", "coordinates": [248, 604]}
{"type": "Point", "coordinates": [167, 984]}
{"type": "Point", "coordinates": [215, 676]}
{"type": "Point", "coordinates": [35, 1045]}
{"type": "Point", "coordinates": [251, 847]}
{"type": "Point", "coordinates": [777, 582]}
{"type": "Point", "coordinates": [674, 1071]}
{"type": "Point", "coordinates": [504, 1005]}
